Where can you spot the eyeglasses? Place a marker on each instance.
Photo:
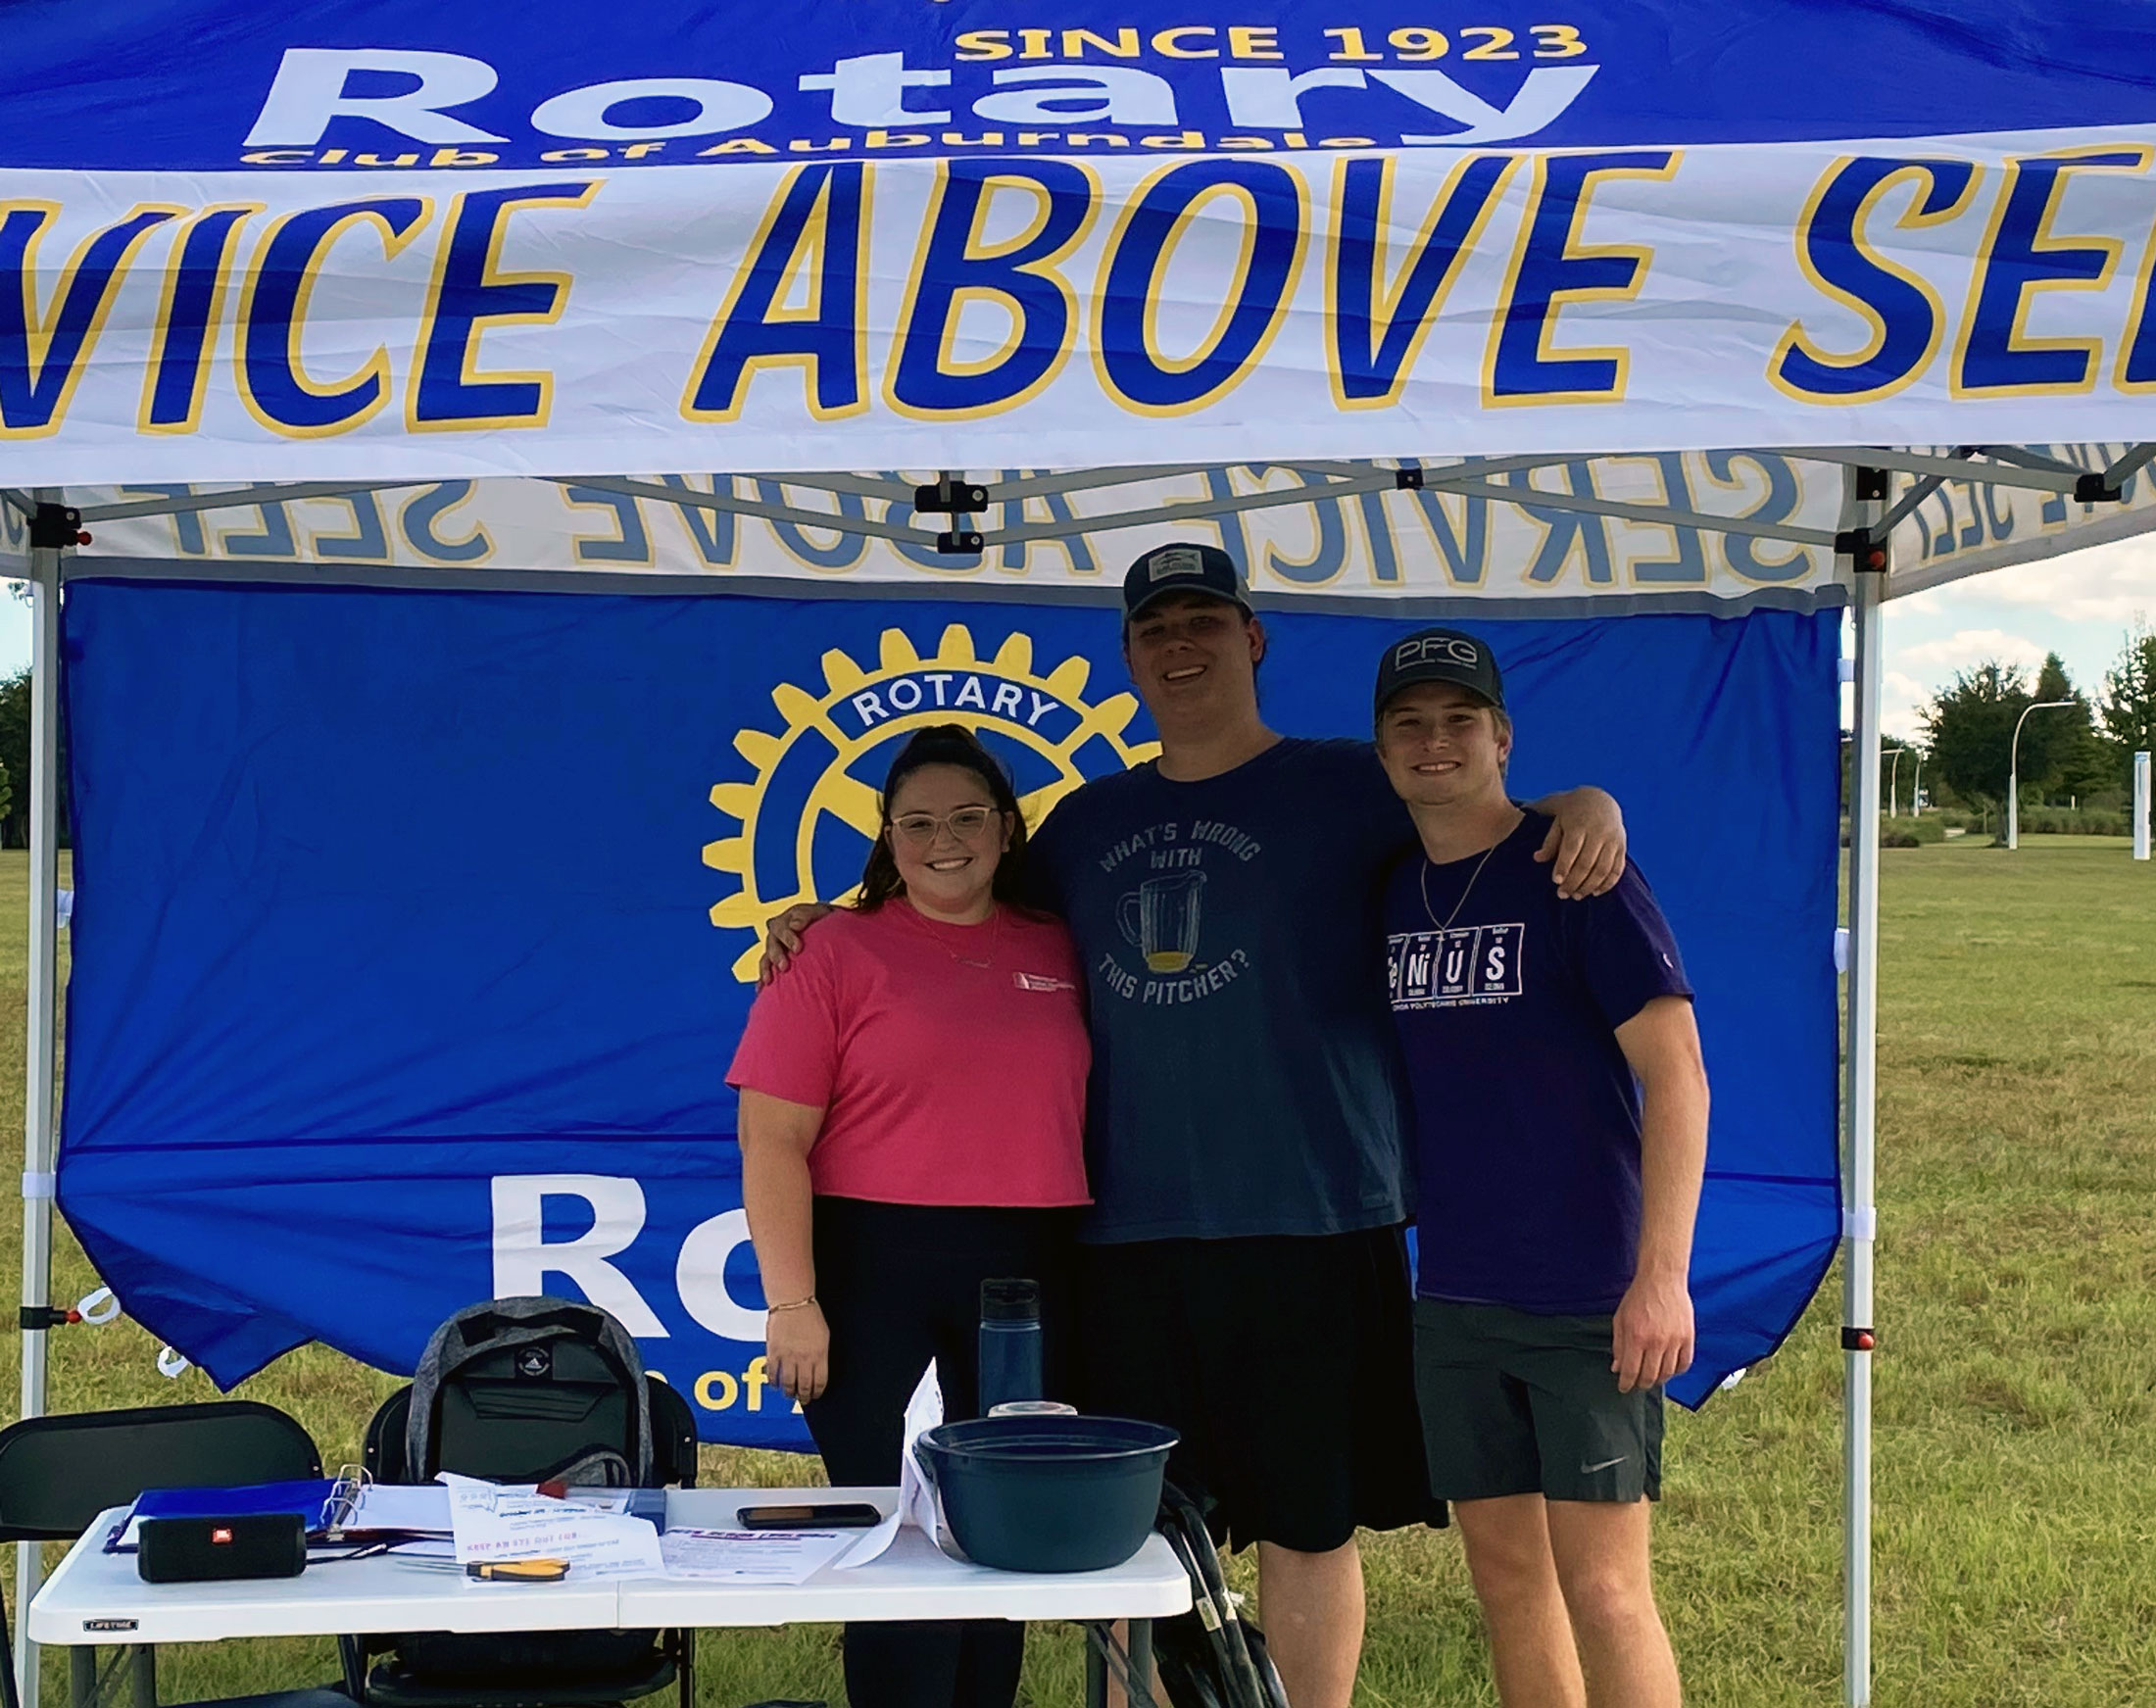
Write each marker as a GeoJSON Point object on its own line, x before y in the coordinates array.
{"type": "Point", "coordinates": [919, 828]}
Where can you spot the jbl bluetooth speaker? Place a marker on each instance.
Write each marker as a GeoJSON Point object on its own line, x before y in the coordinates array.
{"type": "Point", "coordinates": [200, 1550]}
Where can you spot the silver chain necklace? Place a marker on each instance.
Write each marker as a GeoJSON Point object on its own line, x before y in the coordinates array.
{"type": "Point", "coordinates": [1422, 882]}
{"type": "Point", "coordinates": [994, 932]}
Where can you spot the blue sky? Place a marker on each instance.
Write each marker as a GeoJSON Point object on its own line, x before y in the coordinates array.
{"type": "Point", "coordinates": [2080, 606]}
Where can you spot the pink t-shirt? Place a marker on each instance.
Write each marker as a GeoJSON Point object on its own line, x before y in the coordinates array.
{"type": "Point", "coordinates": [940, 1082]}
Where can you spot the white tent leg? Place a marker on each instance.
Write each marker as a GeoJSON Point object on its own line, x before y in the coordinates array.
{"type": "Point", "coordinates": [1861, 1109]}
{"type": "Point", "coordinates": [38, 1103]}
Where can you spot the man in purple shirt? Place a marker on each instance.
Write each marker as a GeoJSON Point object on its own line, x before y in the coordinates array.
{"type": "Point", "coordinates": [1560, 1115]}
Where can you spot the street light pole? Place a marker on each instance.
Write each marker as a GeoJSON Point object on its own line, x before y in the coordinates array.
{"type": "Point", "coordinates": [1894, 776]}
{"type": "Point", "coordinates": [2013, 770]}
{"type": "Point", "coordinates": [1916, 789]}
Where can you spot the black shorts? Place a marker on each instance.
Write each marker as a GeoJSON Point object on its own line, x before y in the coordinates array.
{"type": "Point", "coordinates": [1514, 1404]}
{"type": "Point", "coordinates": [1285, 1363]}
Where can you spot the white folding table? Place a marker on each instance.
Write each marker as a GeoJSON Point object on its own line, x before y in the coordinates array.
{"type": "Point", "coordinates": [98, 1597]}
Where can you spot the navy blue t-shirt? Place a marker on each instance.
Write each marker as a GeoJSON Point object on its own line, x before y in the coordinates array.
{"type": "Point", "coordinates": [1526, 1114]}
{"type": "Point", "coordinates": [1245, 1076]}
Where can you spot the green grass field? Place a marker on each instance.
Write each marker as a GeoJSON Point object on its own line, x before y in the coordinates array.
{"type": "Point", "coordinates": [2016, 1556]}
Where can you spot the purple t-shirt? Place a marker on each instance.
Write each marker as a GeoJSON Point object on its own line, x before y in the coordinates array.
{"type": "Point", "coordinates": [1527, 1118]}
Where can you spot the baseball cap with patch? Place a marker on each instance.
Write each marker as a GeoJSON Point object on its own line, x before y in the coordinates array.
{"type": "Point", "coordinates": [1439, 656]}
{"type": "Point", "coordinates": [1182, 569]}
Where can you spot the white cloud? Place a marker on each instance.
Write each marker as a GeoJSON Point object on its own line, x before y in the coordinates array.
{"type": "Point", "coordinates": [1966, 647]}
{"type": "Point", "coordinates": [2114, 583]}
{"type": "Point", "coordinates": [1902, 697]}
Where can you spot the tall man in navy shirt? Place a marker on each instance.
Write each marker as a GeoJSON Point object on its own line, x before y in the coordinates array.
{"type": "Point", "coordinates": [1245, 1279]}
{"type": "Point", "coordinates": [1560, 1136]}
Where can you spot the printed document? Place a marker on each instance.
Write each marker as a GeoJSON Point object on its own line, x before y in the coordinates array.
{"type": "Point", "coordinates": [492, 1521]}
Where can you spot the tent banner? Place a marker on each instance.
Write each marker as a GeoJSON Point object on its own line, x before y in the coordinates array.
{"type": "Point", "coordinates": [415, 929]}
{"type": "Point", "coordinates": [1302, 544]}
{"type": "Point", "coordinates": [1966, 527]}
{"type": "Point", "coordinates": [901, 239]}
{"type": "Point", "coordinates": [1136, 306]}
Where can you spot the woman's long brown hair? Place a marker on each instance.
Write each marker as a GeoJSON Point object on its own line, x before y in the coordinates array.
{"type": "Point", "coordinates": [945, 744]}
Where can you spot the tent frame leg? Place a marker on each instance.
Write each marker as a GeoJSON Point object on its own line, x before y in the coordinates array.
{"type": "Point", "coordinates": [41, 1013]}
{"type": "Point", "coordinates": [1865, 506]}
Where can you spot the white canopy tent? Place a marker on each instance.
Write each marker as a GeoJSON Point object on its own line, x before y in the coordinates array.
{"type": "Point", "coordinates": [1884, 497]}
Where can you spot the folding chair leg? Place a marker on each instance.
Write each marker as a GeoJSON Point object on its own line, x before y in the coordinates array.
{"type": "Point", "coordinates": [1131, 1668]}
{"type": "Point", "coordinates": [82, 1678]}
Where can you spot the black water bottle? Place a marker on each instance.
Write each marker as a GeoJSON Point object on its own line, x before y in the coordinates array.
{"type": "Point", "coordinates": [1010, 1341]}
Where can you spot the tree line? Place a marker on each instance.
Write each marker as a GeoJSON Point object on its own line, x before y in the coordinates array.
{"type": "Point", "coordinates": [2081, 751]}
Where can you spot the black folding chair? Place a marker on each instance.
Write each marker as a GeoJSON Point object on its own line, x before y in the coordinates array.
{"type": "Point", "coordinates": [524, 1670]}
{"type": "Point", "coordinates": [58, 1473]}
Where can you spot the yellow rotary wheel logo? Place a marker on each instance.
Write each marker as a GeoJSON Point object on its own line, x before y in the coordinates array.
{"type": "Point", "coordinates": [811, 806]}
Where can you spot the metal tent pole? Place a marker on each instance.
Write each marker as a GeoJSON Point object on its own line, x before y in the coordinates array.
{"type": "Point", "coordinates": [41, 1011]}
{"type": "Point", "coordinates": [1868, 491]}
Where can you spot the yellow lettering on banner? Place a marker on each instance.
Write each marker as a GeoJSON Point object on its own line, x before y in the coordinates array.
{"type": "Point", "coordinates": [460, 157]}
{"type": "Point", "coordinates": [1535, 291]}
{"type": "Point", "coordinates": [43, 355]}
{"type": "Point", "coordinates": [2023, 257]}
{"type": "Point", "coordinates": [445, 393]}
{"type": "Point", "coordinates": [273, 384]}
{"type": "Point", "coordinates": [1903, 316]}
{"type": "Point", "coordinates": [1153, 381]}
{"type": "Point", "coordinates": [736, 145]}
{"type": "Point", "coordinates": [1378, 314]}
{"type": "Point", "coordinates": [277, 157]}
{"type": "Point", "coordinates": [810, 249]}
{"type": "Point", "coordinates": [1168, 42]}
{"type": "Point", "coordinates": [1017, 278]}
{"type": "Point", "coordinates": [1262, 42]}
{"type": "Point", "coordinates": [984, 45]}
{"type": "Point", "coordinates": [1125, 47]}
{"type": "Point", "coordinates": [716, 1391]}
{"type": "Point", "coordinates": [176, 377]}
{"type": "Point", "coordinates": [561, 156]}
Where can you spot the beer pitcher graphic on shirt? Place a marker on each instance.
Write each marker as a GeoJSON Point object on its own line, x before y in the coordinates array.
{"type": "Point", "coordinates": [1160, 918]}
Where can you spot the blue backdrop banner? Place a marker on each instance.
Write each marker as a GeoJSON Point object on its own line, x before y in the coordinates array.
{"type": "Point", "coordinates": [414, 928]}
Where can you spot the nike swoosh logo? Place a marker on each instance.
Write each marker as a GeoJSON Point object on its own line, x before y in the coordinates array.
{"type": "Point", "coordinates": [1590, 1470]}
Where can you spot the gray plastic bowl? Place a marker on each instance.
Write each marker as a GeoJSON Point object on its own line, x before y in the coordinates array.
{"type": "Point", "coordinates": [1047, 1493]}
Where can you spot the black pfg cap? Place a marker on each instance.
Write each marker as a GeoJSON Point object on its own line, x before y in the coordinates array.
{"type": "Point", "coordinates": [1439, 656]}
{"type": "Point", "coordinates": [1182, 569]}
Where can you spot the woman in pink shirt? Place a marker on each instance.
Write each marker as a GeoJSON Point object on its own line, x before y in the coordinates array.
{"type": "Point", "coordinates": [912, 1116]}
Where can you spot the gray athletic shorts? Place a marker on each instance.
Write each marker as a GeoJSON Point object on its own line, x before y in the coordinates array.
{"type": "Point", "coordinates": [1514, 1404]}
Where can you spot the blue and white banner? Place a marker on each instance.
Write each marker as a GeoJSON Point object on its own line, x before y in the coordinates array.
{"type": "Point", "coordinates": [387, 242]}
{"type": "Point", "coordinates": [408, 973]}
{"type": "Point", "coordinates": [1500, 543]}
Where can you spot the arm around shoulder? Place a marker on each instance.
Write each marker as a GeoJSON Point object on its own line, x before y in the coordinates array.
{"type": "Point", "coordinates": [1586, 843]}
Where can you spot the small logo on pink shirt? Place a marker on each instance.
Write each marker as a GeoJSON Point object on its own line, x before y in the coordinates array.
{"type": "Point", "coordinates": [1040, 982]}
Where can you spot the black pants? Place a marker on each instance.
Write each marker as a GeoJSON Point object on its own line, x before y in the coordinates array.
{"type": "Point", "coordinates": [899, 1285]}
